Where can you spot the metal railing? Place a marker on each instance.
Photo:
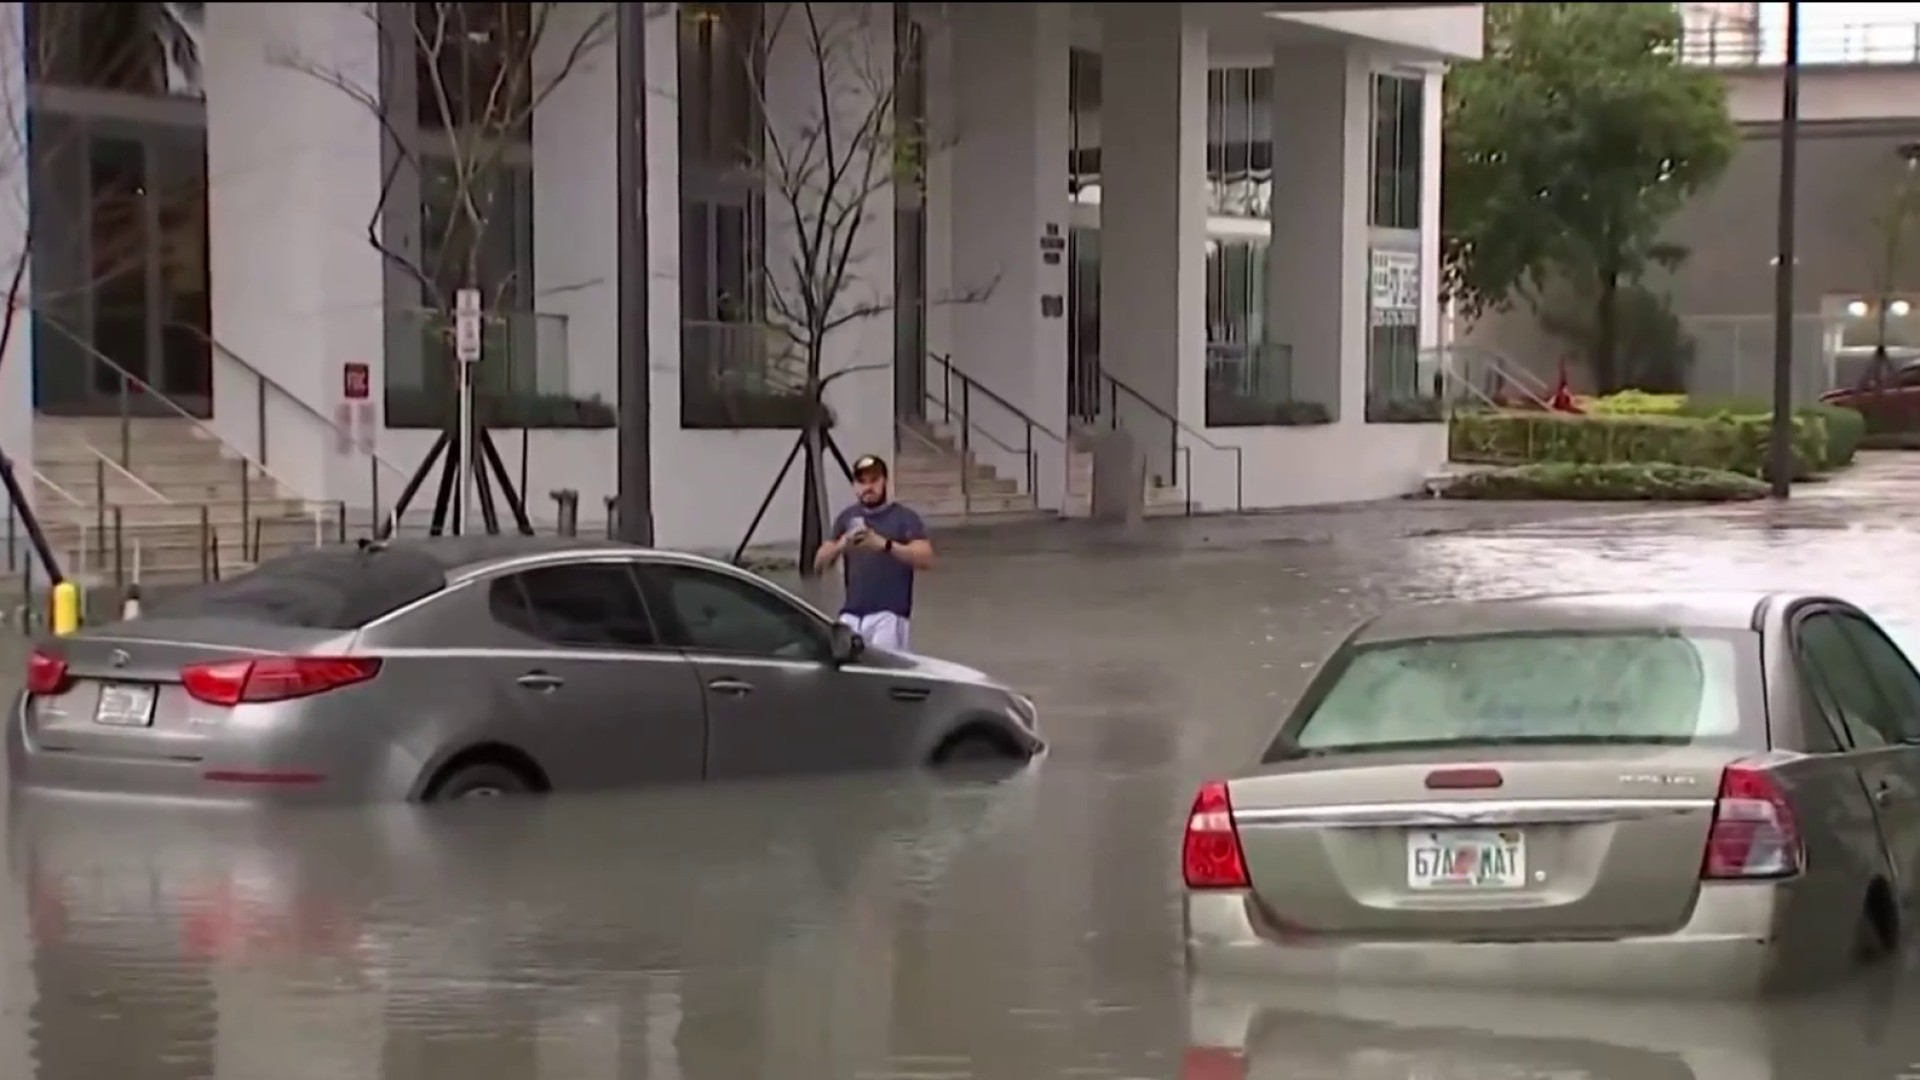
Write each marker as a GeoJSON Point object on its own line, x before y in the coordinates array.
{"type": "Point", "coordinates": [1736, 45]}
{"type": "Point", "coordinates": [1242, 377]}
{"type": "Point", "coordinates": [1175, 447]}
{"type": "Point", "coordinates": [136, 398]}
{"type": "Point", "coordinates": [521, 353]}
{"type": "Point", "coordinates": [955, 399]}
{"type": "Point", "coordinates": [738, 374]}
{"type": "Point", "coordinates": [1487, 375]}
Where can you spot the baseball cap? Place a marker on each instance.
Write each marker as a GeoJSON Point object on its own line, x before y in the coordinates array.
{"type": "Point", "coordinates": [867, 463]}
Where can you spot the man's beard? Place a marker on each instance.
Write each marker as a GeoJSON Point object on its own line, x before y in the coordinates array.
{"type": "Point", "coordinates": [875, 498]}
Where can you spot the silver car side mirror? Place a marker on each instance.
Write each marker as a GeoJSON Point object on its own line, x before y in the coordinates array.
{"type": "Point", "coordinates": [846, 645]}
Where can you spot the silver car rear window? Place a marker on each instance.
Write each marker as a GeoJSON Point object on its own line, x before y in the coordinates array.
{"type": "Point", "coordinates": [321, 589]}
{"type": "Point", "coordinates": [1654, 687]}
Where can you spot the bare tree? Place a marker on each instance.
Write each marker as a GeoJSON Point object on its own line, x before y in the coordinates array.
{"type": "Point", "coordinates": [831, 82]}
{"type": "Point", "coordinates": [478, 72]}
{"type": "Point", "coordinates": [147, 48]}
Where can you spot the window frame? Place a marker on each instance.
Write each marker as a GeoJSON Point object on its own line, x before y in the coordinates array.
{"type": "Point", "coordinates": [1396, 188]}
{"type": "Point", "coordinates": [654, 583]}
{"type": "Point", "coordinates": [1853, 628]}
{"type": "Point", "coordinates": [1748, 682]}
{"type": "Point", "coordinates": [516, 576]}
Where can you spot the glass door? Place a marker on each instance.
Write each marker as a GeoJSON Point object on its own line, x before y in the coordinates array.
{"type": "Point", "coordinates": [119, 266]}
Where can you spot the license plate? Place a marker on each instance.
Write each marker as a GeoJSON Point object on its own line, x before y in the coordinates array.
{"type": "Point", "coordinates": [1466, 860]}
{"type": "Point", "coordinates": [123, 705]}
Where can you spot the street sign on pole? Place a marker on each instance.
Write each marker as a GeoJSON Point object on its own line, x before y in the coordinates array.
{"type": "Point", "coordinates": [466, 348]}
{"type": "Point", "coordinates": [466, 326]}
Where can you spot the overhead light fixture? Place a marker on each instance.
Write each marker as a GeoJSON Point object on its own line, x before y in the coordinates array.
{"type": "Point", "coordinates": [1857, 308]}
{"type": "Point", "coordinates": [1899, 308]}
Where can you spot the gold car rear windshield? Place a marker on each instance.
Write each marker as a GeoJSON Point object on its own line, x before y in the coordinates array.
{"type": "Point", "coordinates": [1657, 688]}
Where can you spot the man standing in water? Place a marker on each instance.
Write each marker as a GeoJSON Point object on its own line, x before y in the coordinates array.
{"type": "Point", "coordinates": [883, 543]}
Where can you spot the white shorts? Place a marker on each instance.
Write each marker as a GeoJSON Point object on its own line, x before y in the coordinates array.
{"type": "Point", "coordinates": [882, 629]}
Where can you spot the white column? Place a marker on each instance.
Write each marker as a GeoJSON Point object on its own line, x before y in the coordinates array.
{"type": "Point", "coordinates": [1153, 210]}
{"type": "Point", "coordinates": [1006, 192]}
{"type": "Point", "coordinates": [1432, 122]}
{"type": "Point", "coordinates": [16, 364]}
{"type": "Point", "coordinates": [856, 49]}
{"type": "Point", "coordinates": [576, 272]}
{"type": "Point", "coordinates": [293, 168]}
{"type": "Point", "coordinates": [1317, 274]}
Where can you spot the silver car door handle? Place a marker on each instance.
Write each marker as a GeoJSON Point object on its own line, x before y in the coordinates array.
{"type": "Point", "coordinates": [540, 681]}
{"type": "Point", "coordinates": [730, 686]}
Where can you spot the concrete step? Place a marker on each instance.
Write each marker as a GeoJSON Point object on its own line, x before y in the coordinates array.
{"type": "Point", "coordinates": [177, 549]}
{"type": "Point", "coordinates": [979, 504]}
{"type": "Point", "coordinates": [986, 518]}
{"type": "Point", "coordinates": [139, 456]}
{"type": "Point", "coordinates": [164, 515]}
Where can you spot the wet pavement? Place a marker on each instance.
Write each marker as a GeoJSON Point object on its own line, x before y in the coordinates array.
{"type": "Point", "coordinates": [863, 928]}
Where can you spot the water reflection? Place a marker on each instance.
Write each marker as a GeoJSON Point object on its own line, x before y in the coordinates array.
{"type": "Point", "coordinates": [864, 927]}
{"type": "Point", "coordinates": [692, 939]}
{"type": "Point", "coordinates": [1240, 1030]}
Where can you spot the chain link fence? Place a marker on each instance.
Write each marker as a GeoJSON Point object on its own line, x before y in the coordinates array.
{"type": "Point", "coordinates": [1733, 357]}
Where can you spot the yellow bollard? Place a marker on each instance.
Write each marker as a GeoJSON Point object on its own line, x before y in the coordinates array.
{"type": "Point", "coordinates": [66, 608]}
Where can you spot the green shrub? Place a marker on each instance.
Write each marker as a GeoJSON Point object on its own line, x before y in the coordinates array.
{"type": "Point", "coordinates": [1232, 410]}
{"type": "Point", "coordinates": [1385, 409]}
{"type": "Point", "coordinates": [1844, 428]}
{"type": "Point", "coordinates": [416, 408]}
{"type": "Point", "coordinates": [1732, 443]}
{"type": "Point", "coordinates": [1637, 403]}
{"type": "Point", "coordinates": [1615, 482]}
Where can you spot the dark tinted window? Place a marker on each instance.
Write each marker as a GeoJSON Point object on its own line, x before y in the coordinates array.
{"type": "Point", "coordinates": [1844, 684]}
{"type": "Point", "coordinates": [596, 605]}
{"type": "Point", "coordinates": [1891, 673]}
{"type": "Point", "coordinates": [1656, 687]}
{"type": "Point", "coordinates": [720, 613]}
{"type": "Point", "coordinates": [323, 589]}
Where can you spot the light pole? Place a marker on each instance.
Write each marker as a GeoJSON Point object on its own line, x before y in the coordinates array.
{"type": "Point", "coordinates": [1780, 443]}
{"type": "Point", "coordinates": [634, 495]}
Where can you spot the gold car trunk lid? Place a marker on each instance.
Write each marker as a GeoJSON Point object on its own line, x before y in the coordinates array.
{"type": "Point", "coordinates": [1510, 844]}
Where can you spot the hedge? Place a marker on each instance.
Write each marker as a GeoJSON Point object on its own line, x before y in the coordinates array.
{"type": "Point", "coordinates": [1615, 482]}
{"type": "Point", "coordinates": [1731, 443]}
{"type": "Point", "coordinates": [1844, 427]}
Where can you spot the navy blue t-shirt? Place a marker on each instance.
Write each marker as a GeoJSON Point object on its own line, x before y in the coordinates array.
{"type": "Point", "coordinates": [877, 581]}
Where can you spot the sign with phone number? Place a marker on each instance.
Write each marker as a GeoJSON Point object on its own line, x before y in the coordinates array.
{"type": "Point", "coordinates": [1394, 283]}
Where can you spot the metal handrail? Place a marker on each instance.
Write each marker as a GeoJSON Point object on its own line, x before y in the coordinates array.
{"type": "Point", "coordinates": [147, 389]}
{"type": "Point", "coordinates": [1177, 428]}
{"type": "Point", "coordinates": [267, 382]}
{"type": "Point", "coordinates": [1516, 375]}
{"type": "Point", "coordinates": [970, 386]}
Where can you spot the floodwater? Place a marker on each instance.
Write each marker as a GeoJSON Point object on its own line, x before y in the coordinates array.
{"type": "Point", "coordinates": [867, 928]}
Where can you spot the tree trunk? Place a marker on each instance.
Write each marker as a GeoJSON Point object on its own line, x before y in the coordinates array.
{"type": "Point", "coordinates": [1606, 334]}
{"type": "Point", "coordinates": [813, 511]}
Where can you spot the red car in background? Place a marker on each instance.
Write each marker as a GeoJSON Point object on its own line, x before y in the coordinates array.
{"type": "Point", "coordinates": [1889, 404]}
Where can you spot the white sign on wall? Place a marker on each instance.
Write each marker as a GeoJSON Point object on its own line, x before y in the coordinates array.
{"type": "Point", "coordinates": [1394, 283]}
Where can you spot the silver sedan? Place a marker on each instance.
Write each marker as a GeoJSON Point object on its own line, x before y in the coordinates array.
{"type": "Point", "coordinates": [485, 666]}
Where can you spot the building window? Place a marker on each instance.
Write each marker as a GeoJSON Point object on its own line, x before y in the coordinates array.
{"type": "Point", "coordinates": [1402, 386]}
{"type": "Point", "coordinates": [148, 49]}
{"type": "Point", "coordinates": [473, 65]}
{"type": "Point", "coordinates": [1398, 125]}
{"type": "Point", "coordinates": [734, 371]}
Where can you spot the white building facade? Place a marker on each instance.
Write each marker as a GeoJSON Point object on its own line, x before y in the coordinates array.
{"type": "Point", "coordinates": [1212, 225]}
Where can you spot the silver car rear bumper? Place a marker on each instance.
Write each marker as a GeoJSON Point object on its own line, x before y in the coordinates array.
{"type": "Point", "coordinates": [1724, 950]}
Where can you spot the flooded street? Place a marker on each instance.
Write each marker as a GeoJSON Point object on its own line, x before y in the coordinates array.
{"type": "Point", "coordinates": [886, 927]}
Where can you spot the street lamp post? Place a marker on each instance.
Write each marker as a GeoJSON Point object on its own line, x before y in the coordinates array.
{"type": "Point", "coordinates": [1780, 445]}
{"type": "Point", "coordinates": [634, 499]}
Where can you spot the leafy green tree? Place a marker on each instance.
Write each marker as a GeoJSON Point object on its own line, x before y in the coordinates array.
{"type": "Point", "coordinates": [1567, 150]}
